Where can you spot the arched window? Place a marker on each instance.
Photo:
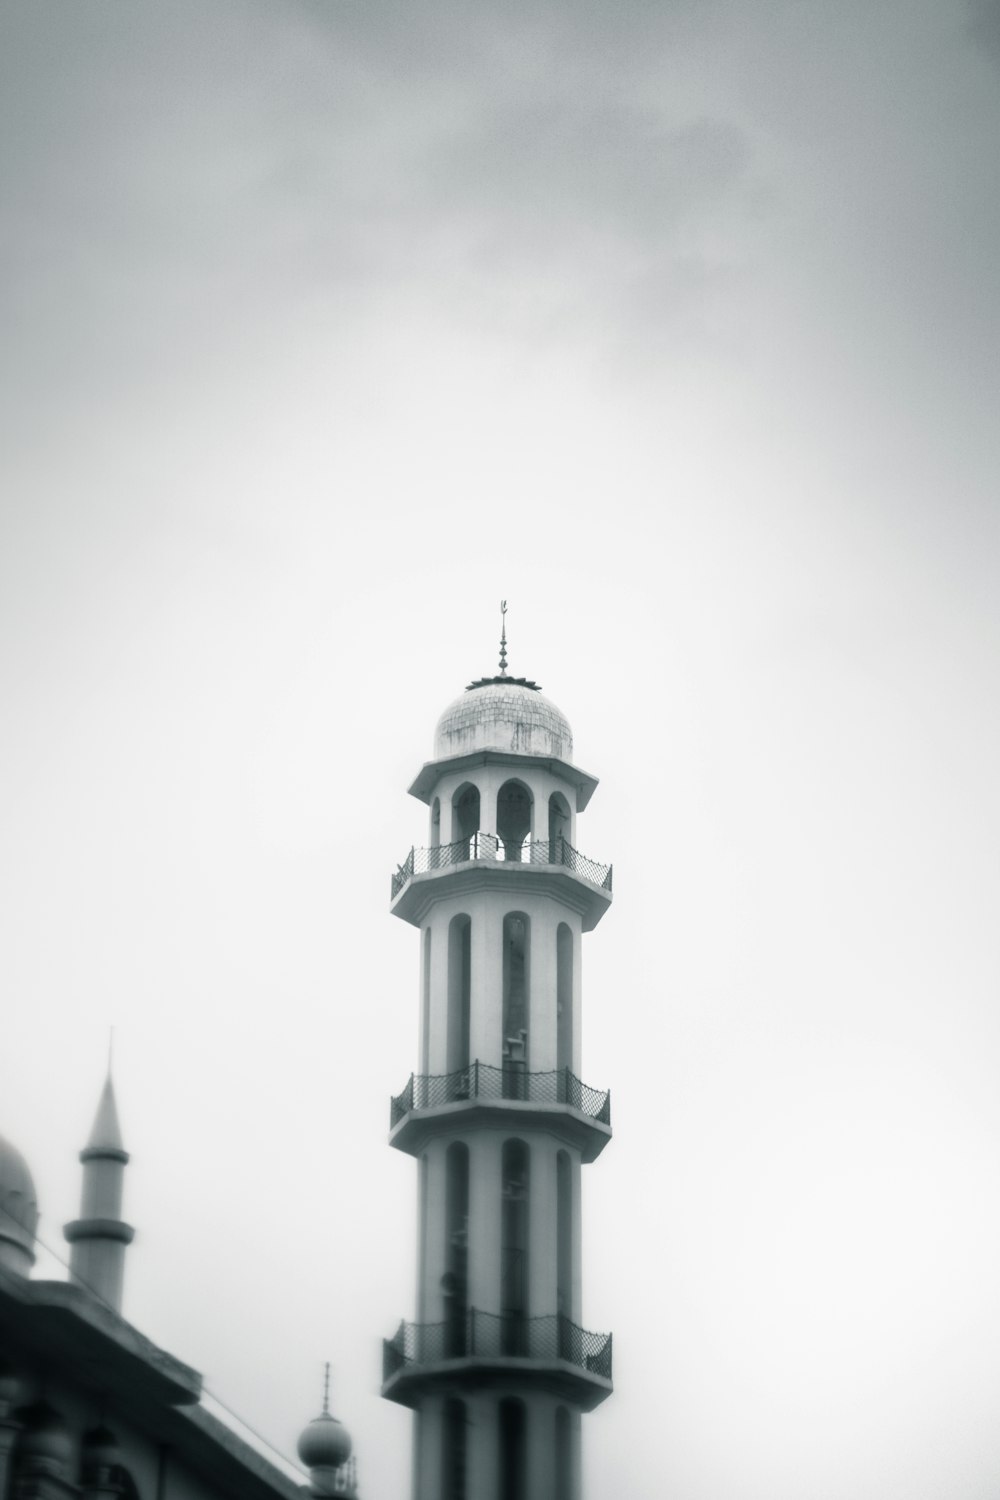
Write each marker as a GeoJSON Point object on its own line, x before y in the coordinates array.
{"type": "Point", "coordinates": [459, 1002]}
{"type": "Point", "coordinates": [564, 1001]}
{"type": "Point", "coordinates": [454, 1283]}
{"type": "Point", "coordinates": [514, 1247]}
{"type": "Point", "coordinates": [465, 813]}
{"type": "Point", "coordinates": [425, 1007]}
{"type": "Point", "coordinates": [564, 1456]}
{"type": "Point", "coordinates": [516, 935]}
{"type": "Point", "coordinates": [435, 822]}
{"type": "Point", "coordinates": [453, 1450]}
{"type": "Point", "coordinates": [564, 1238]}
{"type": "Point", "coordinates": [559, 827]}
{"type": "Point", "coordinates": [513, 817]}
{"type": "Point", "coordinates": [513, 1450]}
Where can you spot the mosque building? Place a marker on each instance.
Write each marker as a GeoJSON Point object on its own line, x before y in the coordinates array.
{"type": "Point", "coordinates": [498, 1367]}
{"type": "Point", "coordinates": [90, 1408]}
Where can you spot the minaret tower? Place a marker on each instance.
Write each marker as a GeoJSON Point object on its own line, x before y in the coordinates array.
{"type": "Point", "coordinates": [99, 1237]}
{"type": "Point", "coordinates": [497, 1366]}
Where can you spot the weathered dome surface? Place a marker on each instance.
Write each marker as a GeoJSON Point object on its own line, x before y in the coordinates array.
{"type": "Point", "coordinates": [503, 716]}
{"type": "Point", "coordinates": [18, 1209]}
{"type": "Point", "coordinates": [325, 1443]}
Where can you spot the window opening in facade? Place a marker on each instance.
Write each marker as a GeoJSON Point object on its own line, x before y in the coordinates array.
{"type": "Point", "coordinates": [453, 1457]}
{"type": "Point", "coordinates": [513, 1450]}
{"type": "Point", "coordinates": [514, 1248]}
{"type": "Point", "coordinates": [564, 999]}
{"type": "Point", "coordinates": [454, 1283]}
{"type": "Point", "coordinates": [465, 814]}
{"type": "Point", "coordinates": [459, 999]}
{"type": "Point", "coordinates": [513, 818]}
{"type": "Point", "coordinates": [516, 932]}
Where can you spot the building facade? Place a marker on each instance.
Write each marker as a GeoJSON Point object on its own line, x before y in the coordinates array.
{"type": "Point", "coordinates": [498, 1366]}
{"type": "Point", "coordinates": [90, 1409]}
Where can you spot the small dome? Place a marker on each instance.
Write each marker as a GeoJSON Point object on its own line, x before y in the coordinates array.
{"type": "Point", "coordinates": [503, 715]}
{"type": "Point", "coordinates": [18, 1210]}
{"type": "Point", "coordinates": [325, 1443]}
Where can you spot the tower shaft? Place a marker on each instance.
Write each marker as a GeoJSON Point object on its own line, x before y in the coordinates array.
{"type": "Point", "coordinates": [498, 1366]}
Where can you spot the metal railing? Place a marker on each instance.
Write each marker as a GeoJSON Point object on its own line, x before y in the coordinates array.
{"type": "Point", "coordinates": [557, 851]}
{"type": "Point", "coordinates": [471, 1333]}
{"type": "Point", "coordinates": [512, 1081]}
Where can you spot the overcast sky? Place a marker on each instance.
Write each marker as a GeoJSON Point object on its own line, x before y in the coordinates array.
{"type": "Point", "coordinates": [326, 326]}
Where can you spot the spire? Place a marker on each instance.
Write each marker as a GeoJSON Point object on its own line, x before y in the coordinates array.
{"type": "Point", "coordinates": [501, 676]}
{"type": "Point", "coordinates": [99, 1236]}
{"type": "Point", "coordinates": [503, 638]}
{"type": "Point", "coordinates": [326, 1389]}
{"type": "Point", "coordinates": [106, 1133]}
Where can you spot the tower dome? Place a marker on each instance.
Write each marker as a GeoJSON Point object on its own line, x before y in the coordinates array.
{"type": "Point", "coordinates": [325, 1443]}
{"type": "Point", "coordinates": [503, 713]}
{"type": "Point", "coordinates": [18, 1211]}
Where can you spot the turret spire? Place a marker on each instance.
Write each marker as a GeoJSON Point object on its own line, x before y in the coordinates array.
{"type": "Point", "coordinates": [503, 638]}
{"type": "Point", "coordinates": [99, 1236]}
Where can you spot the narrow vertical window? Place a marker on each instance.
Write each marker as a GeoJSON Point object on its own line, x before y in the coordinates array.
{"type": "Point", "coordinates": [564, 1456]}
{"type": "Point", "coordinates": [459, 1002]}
{"type": "Point", "coordinates": [564, 1241]}
{"type": "Point", "coordinates": [435, 831]}
{"type": "Point", "coordinates": [453, 1450]}
{"type": "Point", "coordinates": [454, 1283]}
{"type": "Point", "coordinates": [514, 1248]}
{"type": "Point", "coordinates": [515, 1004]}
{"type": "Point", "coordinates": [564, 1005]}
{"type": "Point", "coordinates": [425, 1009]}
{"type": "Point", "coordinates": [513, 1450]}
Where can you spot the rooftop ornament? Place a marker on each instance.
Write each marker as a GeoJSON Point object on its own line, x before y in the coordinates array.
{"type": "Point", "coordinates": [501, 676]}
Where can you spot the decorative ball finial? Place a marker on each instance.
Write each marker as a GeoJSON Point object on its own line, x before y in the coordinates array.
{"type": "Point", "coordinates": [503, 638]}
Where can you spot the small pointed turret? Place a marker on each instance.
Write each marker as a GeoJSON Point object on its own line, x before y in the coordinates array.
{"type": "Point", "coordinates": [98, 1236]}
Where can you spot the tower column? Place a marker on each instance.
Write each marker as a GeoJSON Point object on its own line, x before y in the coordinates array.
{"type": "Point", "coordinates": [498, 1369]}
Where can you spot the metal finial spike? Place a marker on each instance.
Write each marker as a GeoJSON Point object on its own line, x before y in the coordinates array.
{"type": "Point", "coordinates": [503, 638]}
{"type": "Point", "coordinates": [111, 1048]}
{"type": "Point", "coordinates": [326, 1390]}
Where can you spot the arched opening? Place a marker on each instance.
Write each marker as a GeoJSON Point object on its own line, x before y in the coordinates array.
{"type": "Point", "coordinates": [559, 827]}
{"type": "Point", "coordinates": [516, 936]}
{"type": "Point", "coordinates": [514, 805]}
{"type": "Point", "coordinates": [564, 1456]}
{"type": "Point", "coordinates": [564, 1005]}
{"type": "Point", "coordinates": [513, 1449]}
{"type": "Point", "coordinates": [425, 1006]}
{"type": "Point", "coordinates": [424, 1227]}
{"type": "Point", "coordinates": [454, 1282]}
{"type": "Point", "coordinates": [453, 1450]}
{"type": "Point", "coordinates": [465, 814]}
{"type": "Point", "coordinates": [459, 1000]}
{"type": "Point", "coordinates": [564, 1238]}
{"type": "Point", "coordinates": [514, 1247]}
{"type": "Point", "coordinates": [436, 823]}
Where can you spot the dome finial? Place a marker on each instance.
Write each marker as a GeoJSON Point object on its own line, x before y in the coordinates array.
{"type": "Point", "coordinates": [503, 638]}
{"type": "Point", "coordinates": [326, 1389]}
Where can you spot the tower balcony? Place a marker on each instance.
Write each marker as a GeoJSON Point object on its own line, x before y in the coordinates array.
{"type": "Point", "coordinates": [493, 1095]}
{"type": "Point", "coordinates": [426, 874]}
{"type": "Point", "coordinates": [475, 1348]}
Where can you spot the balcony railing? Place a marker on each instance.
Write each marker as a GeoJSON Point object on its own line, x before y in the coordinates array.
{"type": "Point", "coordinates": [512, 1081]}
{"type": "Point", "coordinates": [490, 846]}
{"type": "Point", "coordinates": [471, 1333]}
